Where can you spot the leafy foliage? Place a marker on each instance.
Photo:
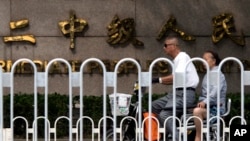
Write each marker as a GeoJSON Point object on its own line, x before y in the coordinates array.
{"type": "Point", "coordinates": [23, 105]}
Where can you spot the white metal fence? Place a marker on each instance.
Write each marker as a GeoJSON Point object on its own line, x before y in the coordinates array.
{"type": "Point", "coordinates": [109, 80]}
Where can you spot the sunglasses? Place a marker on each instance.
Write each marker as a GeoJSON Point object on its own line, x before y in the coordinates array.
{"type": "Point", "coordinates": [166, 45]}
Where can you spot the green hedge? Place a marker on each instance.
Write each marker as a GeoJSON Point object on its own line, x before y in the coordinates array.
{"type": "Point", "coordinates": [236, 107]}
{"type": "Point", "coordinates": [93, 106]}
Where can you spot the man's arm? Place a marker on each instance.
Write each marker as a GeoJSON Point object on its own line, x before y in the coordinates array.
{"type": "Point", "coordinates": [167, 80]}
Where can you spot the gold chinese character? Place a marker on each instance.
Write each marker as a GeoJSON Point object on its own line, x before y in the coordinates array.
{"type": "Point", "coordinates": [18, 38]}
{"type": "Point", "coordinates": [224, 26]}
{"type": "Point", "coordinates": [121, 31]}
{"type": "Point", "coordinates": [69, 27]}
{"type": "Point", "coordinates": [171, 25]}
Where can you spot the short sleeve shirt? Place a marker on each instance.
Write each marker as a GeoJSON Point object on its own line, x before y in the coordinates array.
{"type": "Point", "coordinates": [180, 62]}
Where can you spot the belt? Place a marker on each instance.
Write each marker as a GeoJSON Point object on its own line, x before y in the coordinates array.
{"type": "Point", "coordinates": [188, 88]}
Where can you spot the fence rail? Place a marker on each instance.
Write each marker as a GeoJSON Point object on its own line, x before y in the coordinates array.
{"type": "Point", "coordinates": [109, 80]}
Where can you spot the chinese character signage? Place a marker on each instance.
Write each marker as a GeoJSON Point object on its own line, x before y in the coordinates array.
{"type": "Point", "coordinates": [71, 26]}
{"type": "Point", "coordinates": [121, 31]}
{"type": "Point", "coordinates": [16, 25]}
{"type": "Point", "coordinates": [172, 25]}
{"type": "Point", "coordinates": [224, 27]}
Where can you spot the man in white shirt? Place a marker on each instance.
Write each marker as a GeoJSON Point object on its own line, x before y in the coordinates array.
{"type": "Point", "coordinates": [163, 106]}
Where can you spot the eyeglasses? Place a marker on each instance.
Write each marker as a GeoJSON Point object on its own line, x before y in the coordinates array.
{"type": "Point", "coordinates": [166, 45]}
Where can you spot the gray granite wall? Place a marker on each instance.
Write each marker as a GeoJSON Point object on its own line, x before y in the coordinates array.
{"type": "Point", "coordinates": [193, 16]}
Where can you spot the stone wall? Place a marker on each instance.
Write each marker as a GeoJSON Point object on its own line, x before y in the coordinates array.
{"type": "Point", "coordinates": [194, 17]}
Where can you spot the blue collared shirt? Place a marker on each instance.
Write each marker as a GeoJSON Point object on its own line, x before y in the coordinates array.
{"type": "Point", "coordinates": [213, 91]}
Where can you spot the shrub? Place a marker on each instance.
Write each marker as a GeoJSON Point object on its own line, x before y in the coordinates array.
{"type": "Point", "coordinates": [93, 107]}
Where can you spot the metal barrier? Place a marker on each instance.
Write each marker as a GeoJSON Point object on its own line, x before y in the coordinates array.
{"type": "Point", "coordinates": [109, 80]}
